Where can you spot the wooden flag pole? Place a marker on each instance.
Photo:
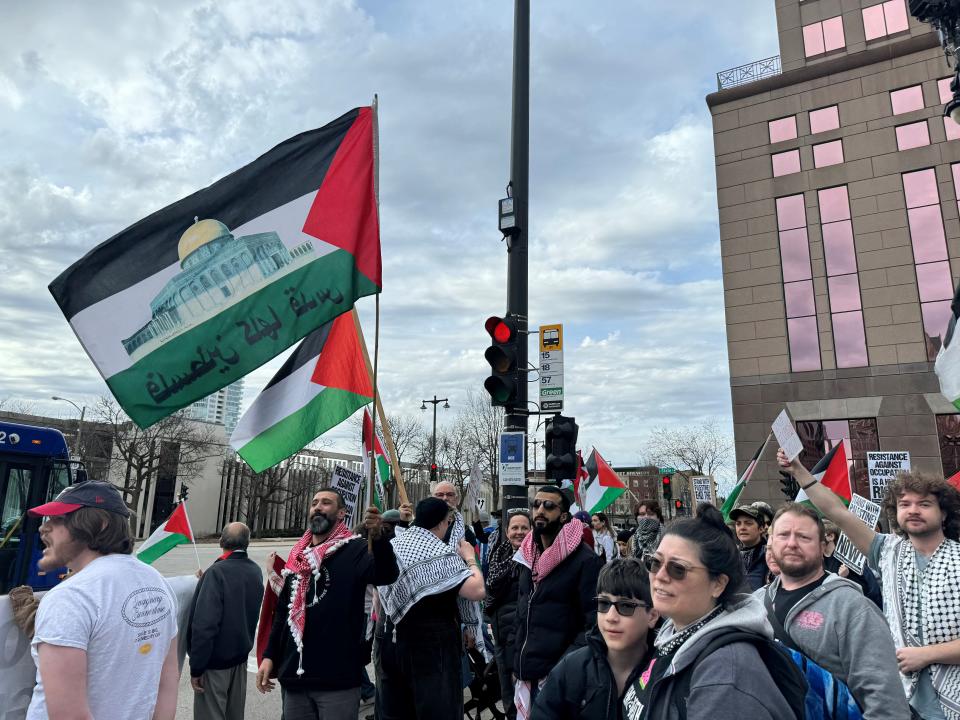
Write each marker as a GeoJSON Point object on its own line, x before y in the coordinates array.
{"type": "Point", "coordinates": [387, 435]}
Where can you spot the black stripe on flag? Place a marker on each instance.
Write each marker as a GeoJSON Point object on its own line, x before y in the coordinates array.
{"type": "Point", "coordinates": [591, 466]}
{"type": "Point", "coordinates": [307, 351]}
{"type": "Point", "coordinates": [292, 169]}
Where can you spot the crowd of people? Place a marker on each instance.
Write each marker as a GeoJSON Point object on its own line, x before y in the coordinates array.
{"type": "Point", "coordinates": [557, 616]}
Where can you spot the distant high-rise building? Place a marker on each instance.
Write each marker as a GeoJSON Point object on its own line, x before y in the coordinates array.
{"type": "Point", "coordinates": [222, 406]}
{"type": "Point", "coordinates": [837, 184]}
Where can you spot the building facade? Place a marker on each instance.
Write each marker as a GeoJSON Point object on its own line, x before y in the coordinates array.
{"type": "Point", "coordinates": [837, 185]}
{"type": "Point", "coordinates": [221, 407]}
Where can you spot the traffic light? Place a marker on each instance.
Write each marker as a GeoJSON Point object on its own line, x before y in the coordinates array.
{"type": "Point", "coordinates": [667, 488]}
{"type": "Point", "coordinates": [433, 472]}
{"type": "Point", "coordinates": [184, 491]}
{"type": "Point", "coordinates": [678, 504]}
{"type": "Point", "coordinates": [560, 442]}
{"type": "Point", "coordinates": [789, 486]}
{"type": "Point", "coordinates": [502, 357]}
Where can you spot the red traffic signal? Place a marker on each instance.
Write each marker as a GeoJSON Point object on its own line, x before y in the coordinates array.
{"type": "Point", "coordinates": [678, 504]}
{"type": "Point", "coordinates": [501, 330]}
{"type": "Point", "coordinates": [666, 479]}
{"type": "Point", "coordinates": [502, 358]}
{"type": "Point", "coordinates": [433, 466]}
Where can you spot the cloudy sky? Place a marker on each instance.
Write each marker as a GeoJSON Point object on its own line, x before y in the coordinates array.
{"type": "Point", "coordinates": [109, 111]}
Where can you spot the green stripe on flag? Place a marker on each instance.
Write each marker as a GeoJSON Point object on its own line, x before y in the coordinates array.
{"type": "Point", "coordinates": [161, 547]}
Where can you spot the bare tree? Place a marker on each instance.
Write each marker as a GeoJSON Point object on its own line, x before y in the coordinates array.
{"type": "Point", "coordinates": [484, 423]}
{"type": "Point", "coordinates": [265, 493]}
{"type": "Point", "coordinates": [16, 406]}
{"type": "Point", "coordinates": [174, 443]}
{"type": "Point", "coordinates": [704, 448]}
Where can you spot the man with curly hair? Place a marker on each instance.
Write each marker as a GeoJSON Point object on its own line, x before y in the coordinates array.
{"type": "Point", "coordinates": [918, 568]}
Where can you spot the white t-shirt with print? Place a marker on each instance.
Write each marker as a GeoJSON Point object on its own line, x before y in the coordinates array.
{"type": "Point", "coordinates": [122, 613]}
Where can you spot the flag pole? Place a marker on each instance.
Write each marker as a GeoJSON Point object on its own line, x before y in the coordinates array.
{"type": "Point", "coordinates": [376, 324]}
{"type": "Point", "coordinates": [193, 538]}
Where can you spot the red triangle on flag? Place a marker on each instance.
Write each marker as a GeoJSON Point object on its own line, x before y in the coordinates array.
{"type": "Point", "coordinates": [605, 474]}
{"type": "Point", "coordinates": [178, 522]}
{"type": "Point", "coordinates": [836, 477]}
{"type": "Point", "coordinates": [954, 480]}
{"type": "Point", "coordinates": [341, 364]}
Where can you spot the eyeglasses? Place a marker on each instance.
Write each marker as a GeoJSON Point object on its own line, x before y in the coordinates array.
{"type": "Point", "coordinates": [545, 504]}
{"type": "Point", "coordinates": [625, 608]}
{"type": "Point", "coordinates": [676, 570]}
{"type": "Point", "coordinates": [444, 494]}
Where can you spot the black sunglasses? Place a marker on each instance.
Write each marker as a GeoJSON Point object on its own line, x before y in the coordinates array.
{"type": "Point", "coordinates": [545, 504]}
{"type": "Point", "coordinates": [625, 608]}
{"type": "Point", "coordinates": [676, 570]}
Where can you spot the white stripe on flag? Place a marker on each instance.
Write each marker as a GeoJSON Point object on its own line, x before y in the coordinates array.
{"type": "Point", "coordinates": [276, 403]}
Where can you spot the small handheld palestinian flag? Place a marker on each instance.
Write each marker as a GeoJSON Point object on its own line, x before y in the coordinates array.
{"type": "Point", "coordinates": [833, 473]}
{"type": "Point", "coordinates": [733, 498]}
{"type": "Point", "coordinates": [320, 385]}
{"type": "Point", "coordinates": [380, 474]}
{"type": "Point", "coordinates": [202, 292]}
{"type": "Point", "coordinates": [175, 531]}
{"type": "Point", "coordinates": [605, 485]}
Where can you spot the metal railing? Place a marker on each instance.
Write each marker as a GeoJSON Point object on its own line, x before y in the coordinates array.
{"type": "Point", "coordinates": [748, 73]}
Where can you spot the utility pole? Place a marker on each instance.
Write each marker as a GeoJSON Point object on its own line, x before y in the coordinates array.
{"type": "Point", "coordinates": [515, 496]}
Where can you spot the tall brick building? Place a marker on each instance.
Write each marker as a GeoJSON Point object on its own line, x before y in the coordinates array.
{"type": "Point", "coordinates": [837, 185]}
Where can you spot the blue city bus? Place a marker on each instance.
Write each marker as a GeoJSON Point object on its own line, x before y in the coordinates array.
{"type": "Point", "coordinates": [35, 466]}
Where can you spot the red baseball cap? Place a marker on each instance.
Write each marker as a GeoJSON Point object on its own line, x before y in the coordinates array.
{"type": "Point", "coordinates": [88, 494]}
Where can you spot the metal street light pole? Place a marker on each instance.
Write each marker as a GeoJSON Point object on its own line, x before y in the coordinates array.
{"type": "Point", "coordinates": [433, 446]}
{"type": "Point", "coordinates": [82, 411]}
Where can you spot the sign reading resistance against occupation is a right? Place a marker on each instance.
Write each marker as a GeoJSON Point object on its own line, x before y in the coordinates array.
{"type": "Point", "coordinates": [882, 467]}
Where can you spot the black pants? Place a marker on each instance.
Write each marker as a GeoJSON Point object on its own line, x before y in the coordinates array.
{"type": "Point", "coordinates": [419, 673]}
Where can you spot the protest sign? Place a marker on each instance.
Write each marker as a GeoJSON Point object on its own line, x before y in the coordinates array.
{"type": "Point", "coordinates": [882, 467]}
{"type": "Point", "coordinates": [702, 489]}
{"type": "Point", "coordinates": [348, 484]}
{"type": "Point", "coordinates": [787, 435]}
{"type": "Point", "coordinates": [868, 512]}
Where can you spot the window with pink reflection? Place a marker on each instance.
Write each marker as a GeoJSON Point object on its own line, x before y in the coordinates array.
{"type": "Point", "coordinates": [804, 344]}
{"type": "Point", "coordinates": [926, 234]}
{"type": "Point", "coordinates": [813, 39]}
{"type": "Point", "coordinates": [824, 119]}
{"type": "Point", "coordinates": [849, 340]}
{"type": "Point", "coordinates": [936, 316]}
{"type": "Point", "coordinates": [833, 34]}
{"type": "Point", "coordinates": [786, 163]}
{"type": "Point", "coordinates": [791, 213]}
{"type": "Point", "coordinates": [844, 293]}
{"type": "Point", "coordinates": [895, 13]}
{"type": "Point", "coordinates": [839, 249]}
{"type": "Point", "coordinates": [874, 25]}
{"type": "Point", "coordinates": [795, 255]}
{"type": "Point", "coordinates": [913, 135]}
{"type": "Point", "coordinates": [782, 129]}
{"type": "Point", "coordinates": [934, 281]}
{"type": "Point", "coordinates": [907, 99]}
{"type": "Point", "coordinates": [955, 169]}
{"type": "Point", "coordinates": [920, 188]}
{"type": "Point", "coordinates": [951, 129]}
{"type": "Point", "coordinates": [799, 298]}
{"type": "Point", "coordinates": [943, 89]}
{"type": "Point", "coordinates": [828, 153]}
{"type": "Point", "coordinates": [833, 204]}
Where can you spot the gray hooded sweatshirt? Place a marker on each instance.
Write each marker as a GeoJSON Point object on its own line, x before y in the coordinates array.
{"type": "Point", "coordinates": [729, 684]}
{"type": "Point", "coordinates": [843, 632]}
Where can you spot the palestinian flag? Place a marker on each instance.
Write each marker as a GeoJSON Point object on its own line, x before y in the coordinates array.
{"type": "Point", "coordinates": [733, 499]}
{"type": "Point", "coordinates": [947, 365]}
{"type": "Point", "coordinates": [268, 607]}
{"type": "Point", "coordinates": [320, 385]}
{"type": "Point", "coordinates": [954, 480]}
{"type": "Point", "coordinates": [381, 473]}
{"type": "Point", "coordinates": [175, 531]}
{"type": "Point", "coordinates": [833, 473]}
{"type": "Point", "coordinates": [198, 294]}
{"type": "Point", "coordinates": [605, 485]}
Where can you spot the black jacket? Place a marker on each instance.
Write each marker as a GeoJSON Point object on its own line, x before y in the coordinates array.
{"type": "Point", "coordinates": [582, 686]}
{"type": "Point", "coordinates": [333, 636]}
{"type": "Point", "coordinates": [553, 618]}
{"type": "Point", "coordinates": [224, 613]}
{"type": "Point", "coordinates": [502, 613]}
{"type": "Point", "coordinates": [754, 561]}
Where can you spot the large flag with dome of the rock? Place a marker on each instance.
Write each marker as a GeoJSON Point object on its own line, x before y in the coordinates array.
{"type": "Point", "coordinates": [198, 294]}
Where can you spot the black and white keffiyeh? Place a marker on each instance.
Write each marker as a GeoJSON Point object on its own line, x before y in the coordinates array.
{"type": "Point", "coordinates": [927, 610]}
{"type": "Point", "coordinates": [427, 567]}
{"type": "Point", "coordinates": [470, 610]}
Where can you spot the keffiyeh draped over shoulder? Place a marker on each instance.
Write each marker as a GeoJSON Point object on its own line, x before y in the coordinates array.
{"type": "Point", "coordinates": [470, 610]}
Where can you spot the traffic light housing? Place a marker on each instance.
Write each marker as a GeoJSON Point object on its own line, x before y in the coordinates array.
{"type": "Point", "coordinates": [788, 486]}
{"type": "Point", "coordinates": [503, 383]}
{"type": "Point", "coordinates": [560, 442]}
{"type": "Point", "coordinates": [667, 485]}
{"type": "Point", "coordinates": [433, 472]}
{"type": "Point", "coordinates": [678, 504]}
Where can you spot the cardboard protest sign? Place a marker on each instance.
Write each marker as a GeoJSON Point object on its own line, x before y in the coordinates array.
{"type": "Point", "coordinates": [702, 489]}
{"type": "Point", "coordinates": [882, 467]}
{"type": "Point", "coordinates": [845, 552]}
{"type": "Point", "coordinates": [349, 485]}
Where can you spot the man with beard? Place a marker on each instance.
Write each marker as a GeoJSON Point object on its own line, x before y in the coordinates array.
{"type": "Point", "coordinates": [649, 528]}
{"type": "Point", "coordinates": [918, 576]}
{"type": "Point", "coordinates": [827, 618]}
{"type": "Point", "coordinates": [105, 643]}
{"type": "Point", "coordinates": [316, 638]}
{"type": "Point", "coordinates": [557, 584]}
{"type": "Point", "coordinates": [749, 528]}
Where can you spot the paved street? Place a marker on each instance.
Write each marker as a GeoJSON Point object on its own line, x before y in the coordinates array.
{"type": "Point", "coordinates": [182, 560]}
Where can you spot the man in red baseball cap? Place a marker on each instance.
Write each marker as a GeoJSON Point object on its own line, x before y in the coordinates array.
{"type": "Point", "coordinates": [111, 624]}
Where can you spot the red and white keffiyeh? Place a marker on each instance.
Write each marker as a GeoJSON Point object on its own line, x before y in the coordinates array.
{"type": "Point", "coordinates": [303, 562]}
{"type": "Point", "coordinates": [542, 562]}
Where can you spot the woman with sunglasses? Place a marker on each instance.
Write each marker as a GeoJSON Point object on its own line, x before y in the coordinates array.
{"type": "Point", "coordinates": [696, 580]}
{"type": "Point", "coordinates": [589, 683]}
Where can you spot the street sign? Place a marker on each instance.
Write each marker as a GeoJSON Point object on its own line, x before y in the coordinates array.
{"type": "Point", "coordinates": [551, 368]}
{"type": "Point", "coordinates": [667, 471]}
{"type": "Point", "coordinates": [513, 445]}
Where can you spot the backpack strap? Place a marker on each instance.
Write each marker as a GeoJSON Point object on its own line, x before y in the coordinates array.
{"type": "Point", "coordinates": [779, 631]}
{"type": "Point", "coordinates": [790, 681]}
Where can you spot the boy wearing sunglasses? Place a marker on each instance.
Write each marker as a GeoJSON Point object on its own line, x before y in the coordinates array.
{"type": "Point", "coordinates": [589, 683]}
